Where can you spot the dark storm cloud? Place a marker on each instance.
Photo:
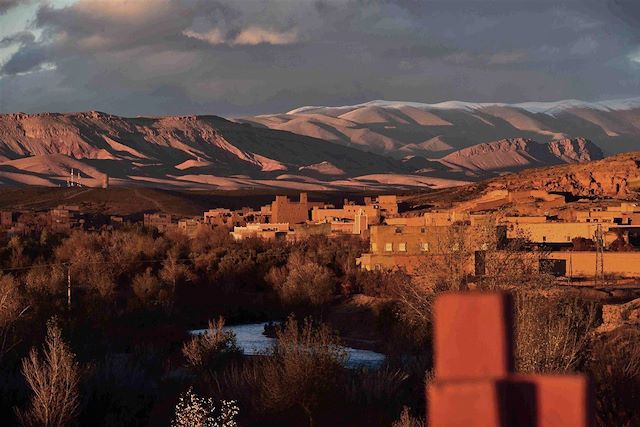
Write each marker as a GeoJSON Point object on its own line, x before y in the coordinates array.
{"type": "Point", "coordinates": [21, 38]}
{"type": "Point", "coordinates": [235, 56]}
{"type": "Point", "coordinates": [5, 5]}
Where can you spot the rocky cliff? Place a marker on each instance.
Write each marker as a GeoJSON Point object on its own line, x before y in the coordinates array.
{"type": "Point", "coordinates": [616, 176]}
{"type": "Point", "coordinates": [519, 153]}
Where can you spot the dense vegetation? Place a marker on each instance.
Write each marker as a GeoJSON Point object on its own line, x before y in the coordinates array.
{"type": "Point", "coordinates": [120, 354]}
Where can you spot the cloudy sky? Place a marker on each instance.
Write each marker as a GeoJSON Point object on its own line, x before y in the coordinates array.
{"type": "Point", "coordinates": [234, 57]}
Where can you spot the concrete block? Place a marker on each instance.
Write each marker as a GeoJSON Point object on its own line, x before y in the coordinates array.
{"type": "Point", "coordinates": [472, 336]}
{"type": "Point", "coordinates": [561, 400]}
{"type": "Point", "coordinates": [476, 403]}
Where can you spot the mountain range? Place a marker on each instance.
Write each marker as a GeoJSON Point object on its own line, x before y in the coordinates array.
{"type": "Point", "coordinates": [381, 146]}
{"type": "Point", "coordinates": [434, 130]}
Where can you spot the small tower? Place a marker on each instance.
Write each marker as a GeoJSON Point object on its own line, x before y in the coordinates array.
{"type": "Point", "coordinates": [361, 222]}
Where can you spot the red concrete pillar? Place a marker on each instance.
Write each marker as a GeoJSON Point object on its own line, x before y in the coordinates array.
{"type": "Point", "coordinates": [472, 336]}
{"type": "Point", "coordinates": [474, 382]}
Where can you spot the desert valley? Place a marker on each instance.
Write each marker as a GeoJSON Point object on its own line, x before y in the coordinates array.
{"type": "Point", "coordinates": [322, 213]}
{"type": "Point", "coordinates": [380, 145]}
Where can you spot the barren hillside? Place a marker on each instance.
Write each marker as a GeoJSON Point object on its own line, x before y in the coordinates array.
{"type": "Point", "coordinates": [434, 130]}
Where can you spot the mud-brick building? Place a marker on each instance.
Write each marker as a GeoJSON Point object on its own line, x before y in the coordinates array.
{"type": "Point", "coordinates": [555, 234]}
{"type": "Point", "coordinates": [284, 210]}
{"type": "Point", "coordinates": [625, 214]}
{"type": "Point", "coordinates": [224, 217]}
{"type": "Point", "coordinates": [349, 211]}
{"type": "Point", "coordinates": [158, 220]}
{"type": "Point", "coordinates": [65, 217]}
{"type": "Point", "coordinates": [261, 231]}
{"type": "Point", "coordinates": [584, 264]}
{"type": "Point", "coordinates": [408, 246]}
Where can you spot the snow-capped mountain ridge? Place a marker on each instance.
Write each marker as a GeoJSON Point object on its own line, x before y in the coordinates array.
{"type": "Point", "coordinates": [550, 108]}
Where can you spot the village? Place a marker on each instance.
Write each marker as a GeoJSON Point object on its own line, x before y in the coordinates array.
{"type": "Point", "coordinates": [579, 240]}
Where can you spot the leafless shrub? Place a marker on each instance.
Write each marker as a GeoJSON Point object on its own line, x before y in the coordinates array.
{"type": "Point", "coordinates": [614, 368]}
{"type": "Point", "coordinates": [211, 350]}
{"type": "Point", "coordinates": [552, 334]}
{"type": "Point", "coordinates": [12, 308]}
{"type": "Point", "coordinates": [302, 367]}
{"type": "Point", "coordinates": [53, 379]}
{"type": "Point", "coordinates": [407, 420]}
{"type": "Point", "coordinates": [374, 387]}
{"type": "Point", "coordinates": [241, 382]}
{"type": "Point", "coordinates": [45, 279]}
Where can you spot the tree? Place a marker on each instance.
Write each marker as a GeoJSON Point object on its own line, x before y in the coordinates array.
{"type": "Point", "coordinates": [53, 379]}
{"type": "Point", "coordinates": [148, 289]}
{"type": "Point", "coordinates": [306, 283]}
{"type": "Point", "coordinates": [172, 273]}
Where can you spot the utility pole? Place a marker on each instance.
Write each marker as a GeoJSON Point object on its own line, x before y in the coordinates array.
{"type": "Point", "coordinates": [599, 238]}
{"type": "Point", "coordinates": [69, 286]}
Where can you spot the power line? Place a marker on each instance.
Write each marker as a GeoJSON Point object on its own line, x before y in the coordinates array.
{"type": "Point", "coordinates": [89, 263]}
{"type": "Point", "coordinates": [71, 264]}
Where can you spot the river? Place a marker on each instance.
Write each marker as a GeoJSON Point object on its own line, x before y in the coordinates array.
{"type": "Point", "coordinates": [252, 341]}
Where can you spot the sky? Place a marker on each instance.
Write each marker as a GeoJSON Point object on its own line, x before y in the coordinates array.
{"type": "Point", "coordinates": [241, 57]}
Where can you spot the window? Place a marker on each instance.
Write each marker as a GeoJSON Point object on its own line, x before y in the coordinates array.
{"type": "Point", "coordinates": [374, 247]}
{"type": "Point", "coordinates": [388, 247]}
{"type": "Point", "coordinates": [424, 247]}
{"type": "Point", "coordinates": [402, 247]}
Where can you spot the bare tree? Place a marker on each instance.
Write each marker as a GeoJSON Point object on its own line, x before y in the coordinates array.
{"type": "Point", "coordinates": [443, 268]}
{"type": "Point", "coordinates": [53, 379]}
{"type": "Point", "coordinates": [306, 282]}
{"type": "Point", "coordinates": [12, 308]}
